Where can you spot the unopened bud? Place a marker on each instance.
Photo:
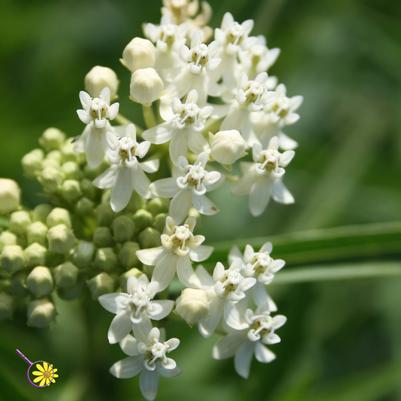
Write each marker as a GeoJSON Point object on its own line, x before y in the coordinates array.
{"type": "Point", "coordinates": [70, 190]}
{"type": "Point", "coordinates": [101, 284]}
{"type": "Point", "coordinates": [102, 237]}
{"type": "Point", "coordinates": [40, 313]}
{"type": "Point", "coordinates": [83, 254]}
{"type": "Point", "coordinates": [159, 222]}
{"type": "Point", "coordinates": [127, 255]}
{"type": "Point", "coordinates": [71, 170]}
{"type": "Point", "coordinates": [134, 272]}
{"type": "Point", "coordinates": [50, 177]}
{"type": "Point", "coordinates": [227, 146]}
{"type": "Point", "coordinates": [104, 214]}
{"type": "Point", "coordinates": [58, 216]}
{"type": "Point", "coordinates": [123, 228]}
{"type": "Point", "coordinates": [7, 238]}
{"type": "Point", "coordinates": [41, 212]}
{"type": "Point", "coordinates": [68, 152]}
{"type": "Point", "coordinates": [40, 281]}
{"type": "Point", "coordinates": [61, 239]}
{"type": "Point", "coordinates": [139, 53]}
{"type": "Point", "coordinates": [105, 259]}
{"type": "Point", "coordinates": [88, 189]}
{"type": "Point", "coordinates": [149, 238]}
{"type": "Point", "coordinates": [6, 306]}
{"type": "Point", "coordinates": [12, 258]}
{"type": "Point", "coordinates": [146, 86]}
{"type": "Point", "coordinates": [19, 222]}
{"type": "Point", "coordinates": [192, 305]}
{"type": "Point", "coordinates": [35, 255]}
{"type": "Point", "coordinates": [84, 207]}
{"type": "Point", "coordinates": [142, 219]}
{"type": "Point", "coordinates": [32, 162]}
{"type": "Point", "coordinates": [37, 232]}
{"type": "Point", "coordinates": [10, 195]}
{"type": "Point", "coordinates": [66, 275]}
{"type": "Point", "coordinates": [157, 205]}
{"type": "Point", "coordinates": [52, 139]}
{"type": "Point", "coordinates": [99, 78]}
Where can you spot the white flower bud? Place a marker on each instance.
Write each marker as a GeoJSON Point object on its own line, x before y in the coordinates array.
{"type": "Point", "coordinates": [12, 258]}
{"type": "Point", "coordinates": [123, 228]}
{"type": "Point", "coordinates": [71, 190]}
{"type": "Point", "coordinates": [105, 259]}
{"type": "Point", "coordinates": [66, 275]}
{"type": "Point", "coordinates": [50, 177]}
{"type": "Point", "coordinates": [35, 255]}
{"type": "Point", "coordinates": [7, 238]}
{"type": "Point", "coordinates": [192, 305]}
{"type": "Point", "coordinates": [52, 139]}
{"type": "Point", "coordinates": [146, 86]}
{"type": "Point", "coordinates": [40, 313]}
{"type": "Point", "coordinates": [227, 146]}
{"type": "Point", "coordinates": [40, 281]}
{"type": "Point", "coordinates": [37, 232]}
{"type": "Point", "coordinates": [139, 53]}
{"type": "Point", "coordinates": [19, 222]}
{"type": "Point", "coordinates": [60, 238]}
{"type": "Point", "coordinates": [32, 162]}
{"type": "Point", "coordinates": [101, 284]}
{"type": "Point", "coordinates": [71, 170]}
{"type": "Point", "coordinates": [99, 78]}
{"type": "Point", "coordinates": [84, 253]}
{"type": "Point", "coordinates": [58, 216]}
{"type": "Point", "coordinates": [10, 194]}
{"type": "Point", "coordinates": [41, 212]}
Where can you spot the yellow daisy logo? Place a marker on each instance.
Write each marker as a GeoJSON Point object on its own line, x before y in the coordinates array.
{"type": "Point", "coordinates": [45, 374]}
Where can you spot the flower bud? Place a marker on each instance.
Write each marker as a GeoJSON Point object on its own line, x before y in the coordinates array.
{"type": "Point", "coordinates": [149, 238]}
{"type": "Point", "coordinates": [12, 258]}
{"type": "Point", "coordinates": [127, 255]}
{"type": "Point", "coordinates": [102, 237]}
{"type": "Point", "coordinates": [227, 146]}
{"type": "Point", "coordinates": [66, 275]}
{"type": "Point", "coordinates": [99, 78]}
{"type": "Point", "coordinates": [68, 152]}
{"type": "Point", "coordinates": [157, 205]}
{"type": "Point", "coordinates": [101, 284]}
{"type": "Point", "coordinates": [104, 214]}
{"type": "Point", "coordinates": [142, 219]}
{"type": "Point", "coordinates": [54, 156]}
{"type": "Point", "coordinates": [159, 222]}
{"type": "Point", "coordinates": [18, 284]}
{"type": "Point", "coordinates": [134, 272]}
{"type": "Point", "coordinates": [88, 189]}
{"type": "Point", "coordinates": [192, 305]}
{"type": "Point", "coordinates": [58, 216]}
{"type": "Point", "coordinates": [40, 281]}
{"type": "Point", "coordinates": [7, 238]}
{"type": "Point", "coordinates": [136, 202]}
{"type": "Point", "coordinates": [69, 293]}
{"type": "Point", "coordinates": [41, 212]}
{"type": "Point", "coordinates": [71, 170]}
{"type": "Point", "coordinates": [83, 254]}
{"type": "Point", "coordinates": [10, 194]}
{"type": "Point", "coordinates": [123, 228]}
{"type": "Point", "coordinates": [6, 306]}
{"type": "Point", "coordinates": [19, 222]}
{"type": "Point", "coordinates": [84, 207]}
{"type": "Point", "coordinates": [105, 259]}
{"type": "Point", "coordinates": [52, 139]}
{"type": "Point", "coordinates": [32, 162]}
{"type": "Point", "coordinates": [35, 255]}
{"type": "Point", "coordinates": [139, 53]}
{"type": "Point", "coordinates": [41, 313]}
{"type": "Point", "coordinates": [61, 239]}
{"type": "Point", "coordinates": [70, 190]}
{"type": "Point", "coordinates": [146, 86]}
{"type": "Point", "coordinates": [50, 177]}
{"type": "Point", "coordinates": [37, 232]}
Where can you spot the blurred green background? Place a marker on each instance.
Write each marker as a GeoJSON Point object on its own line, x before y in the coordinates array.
{"type": "Point", "coordinates": [342, 341]}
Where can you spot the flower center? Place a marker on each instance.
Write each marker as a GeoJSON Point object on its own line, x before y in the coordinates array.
{"type": "Point", "coordinates": [200, 55]}
{"type": "Point", "coordinates": [269, 160]}
{"type": "Point", "coordinates": [127, 148]}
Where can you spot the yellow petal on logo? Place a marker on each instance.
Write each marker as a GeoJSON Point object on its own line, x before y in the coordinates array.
{"type": "Point", "coordinates": [39, 367]}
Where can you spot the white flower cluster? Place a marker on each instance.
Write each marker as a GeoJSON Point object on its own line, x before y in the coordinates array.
{"type": "Point", "coordinates": [208, 102]}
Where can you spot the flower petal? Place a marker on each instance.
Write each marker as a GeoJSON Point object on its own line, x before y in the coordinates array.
{"type": "Point", "coordinates": [140, 181]}
{"type": "Point", "coordinates": [164, 270]}
{"type": "Point", "coordinates": [180, 205]}
{"type": "Point", "coordinates": [165, 307]}
{"type": "Point", "coordinates": [260, 196]}
{"type": "Point", "coordinates": [263, 354]}
{"type": "Point", "coordinates": [150, 256]}
{"type": "Point", "coordinates": [204, 205]}
{"type": "Point", "coordinates": [110, 302]}
{"type": "Point", "coordinates": [148, 383]}
{"type": "Point", "coordinates": [186, 273]}
{"type": "Point", "coordinates": [208, 325]}
{"type": "Point", "coordinates": [122, 189]}
{"type": "Point", "coordinates": [178, 145]}
{"type": "Point", "coordinates": [165, 188]}
{"type": "Point", "coordinates": [128, 367]}
{"type": "Point", "coordinates": [281, 194]}
{"type": "Point", "coordinates": [200, 253]}
{"type": "Point", "coordinates": [158, 134]}
{"type": "Point", "coordinates": [107, 179]}
{"type": "Point", "coordinates": [227, 346]}
{"type": "Point", "coordinates": [129, 345]}
{"type": "Point", "coordinates": [243, 358]}
{"type": "Point", "coordinates": [119, 328]}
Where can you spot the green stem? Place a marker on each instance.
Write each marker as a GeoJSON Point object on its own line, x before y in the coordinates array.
{"type": "Point", "coordinates": [149, 116]}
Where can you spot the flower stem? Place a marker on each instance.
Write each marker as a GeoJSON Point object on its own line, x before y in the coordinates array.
{"type": "Point", "coordinates": [149, 116]}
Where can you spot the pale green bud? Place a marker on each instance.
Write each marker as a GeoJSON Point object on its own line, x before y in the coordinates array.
{"type": "Point", "coordinates": [32, 162]}
{"type": "Point", "coordinates": [40, 313]}
{"type": "Point", "coordinates": [19, 222]}
{"type": "Point", "coordinates": [50, 177]}
{"type": "Point", "coordinates": [7, 238]}
{"type": "Point", "coordinates": [102, 237]}
{"type": "Point", "coordinates": [66, 275]}
{"type": "Point", "coordinates": [142, 219]}
{"type": "Point", "coordinates": [12, 258]}
{"type": "Point", "coordinates": [54, 156]}
{"type": "Point", "coordinates": [84, 207]}
{"type": "Point", "coordinates": [37, 232]}
{"type": "Point", "coordinates": [149, 238]}
{"type": "Point", "coordinates": [61, 239]}
{"type": "Point", "coordinates": [156, 206]}
{"type": "Point", "coordinates": [123, 228]}
{"type": "Point", "coordinates": [88, 189]}
{"type": "Point", "coordinates": [159, 222]}
{"type": "Point", "coordinates": [52, 139]}
{"type": "Point", "coordinates": [134, 272]}
{"type": "Point", "coordinates": [40, 281]}
{"type": "Point", "coordinates": [101, 284]}
{"type": "Point", "coordinates": [83, 254]}
{"type": "Point", "coordinates": [35, 255]}
{"type": "Point", "coordinates": [71, 170]}
{"type": "Point", "coordinates": [58, 216]}
{"type": "Point", "coordinates": [146, 86]}
{"type": "Point", "coordinates": [192, 305]}
{"type": "Point", "coordinates": [136, 202]}
{"type": "Point", "coordinates": [139, 53]}
{"type": "Point", "coordinates": [10, 196]}
{"type": "Point", "coordinates": [227, 146]}
{"type": "Point", "coordinates": [104, 215]}
{"type": "Point", "coordinates": [71, 190]}
{"type": "Point", "coordinates": [106, 259]}
{"type": "Point", "coordinates": [41, 212]}
{"type": "Point", "coordinates": [99, 78]}
{"type": "Point", "coordinates": [6, 306]}
{"type": "Point", "coordinates": [127, 255]}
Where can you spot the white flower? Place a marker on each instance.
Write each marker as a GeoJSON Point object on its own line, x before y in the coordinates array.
{"type": "Point", "coordinates": [226, 147]}
{"type": "Point", "coordinates": [179, 248]}
{"type": "Point", "coordinates": [263, 178]}
{"type": "Point", "coordinates": [183, 126]}
{"type": "Point", "coordinates": [96, 114]}
{"type": "Point", "coordinates": [189, 188]}
{"type": "Point", "coordinates": [126, 173]}
{"type": "Point", "coordinates": [148, 359]}
{"type": "Point", "coordinates": [146, 86]}
{"type": "Point", "coordinates": [136, 307]}
{"type": "Point", "coordinates": [139, 53]}
{"type": "Point", "coordinates": [250, 332]}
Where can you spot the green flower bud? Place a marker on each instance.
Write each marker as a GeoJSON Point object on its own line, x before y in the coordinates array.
{"type": "Point", "coordinates": [35, 255]}
{"type": "Point", "coordinates": [12, 258]}
{"type": "Point", "coordinates": [101, 284]}
{"type": "Point", "coordinates": [102, 237]}
{"type": "Point", "coordinates": [66, 275]}
{"type": "Point", "coordinates": [58, 216]}
{"type": "Point", "coordinates": [134, 272]}
{"type": "Point", "coordinates": [71, 170]}
{"type": "Point", "coordinates": [69, 293]}
{"type": "Point", "coordinates": [149, 238]}
{"type": "Point", "coordinates": [50, 177]}
{"type": "Point", "coordinates": [106, 259]}
{"type": "Point", "coordinates": [84, 207]}
{"type": "Point", "coordinates": [18, 284]}
{"type": "Point", "coordinates": [192, 305]}
{"type": "Point", "coordinates": [83, 254]}
{"type": "Point", "coordinates": [41, 212]}
{"type": "Point", "coordinates": [37, 232]}
{"type": "Point", "coordinates": [136, 202]}
{"type": "Point", "coordinates": [10, 195]}
{"type": "Point", "coordinates": [156, 206]}
{"type": "Point", "coordinates": [123, 228]}
{"type": "Point", "coordinates": [68, 152]}
{"type": "Point", "coordinates": [19, 222]}
{"type": "Point", "coordinates": [52, 139]}
{"type": "Point", "coordinates": [104, 215]}
{"type": "Point", "coordinates": [61, 239]}
{"type": "Point", "coordinates": [88, 189]}
{"type": "Point", "coordinates": [32, 162]}
{"type": "Point", "coordinates": [6, 306]}
{"type": "Point", "coordinates": [40, 281]}
{"type": "Point", "coordinates": [40, 313]}
{"type": "Point", "coordinates": [142, 219]}
{"type": "Point", "coordinates": [127, 255]}
{"type": "Point", "coordinates": [159, 222]}
{"type": "Point", "coordinates": [70, 190]}
{"type": "Point", "coordinates": [7, 238]}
